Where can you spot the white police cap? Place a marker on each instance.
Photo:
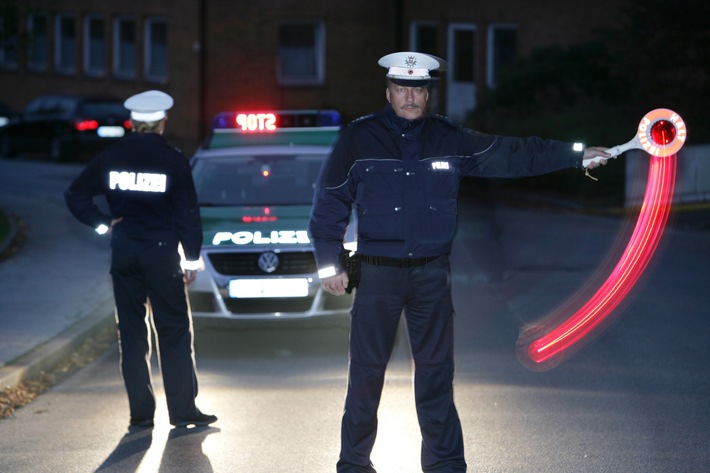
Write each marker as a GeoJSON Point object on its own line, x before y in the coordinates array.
{"type": "Point", "coordinates": [149, 106]}
{"type": "Point", "coordinates": [411, 68]}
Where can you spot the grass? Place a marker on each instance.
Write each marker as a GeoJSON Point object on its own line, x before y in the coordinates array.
{"type": "Point", "coordinates": [15, 397]}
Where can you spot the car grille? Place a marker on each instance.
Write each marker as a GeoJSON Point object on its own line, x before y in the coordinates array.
{"type": "Point", "coordinates": [259, 306]}
{"type": "Point", "coordinates": [246, 264]}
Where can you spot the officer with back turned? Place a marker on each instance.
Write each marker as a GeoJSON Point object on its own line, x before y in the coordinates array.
{"type": "Point", "coordinates": [153, 211]}
{"type": "Point", "coordinates": [399, 169]}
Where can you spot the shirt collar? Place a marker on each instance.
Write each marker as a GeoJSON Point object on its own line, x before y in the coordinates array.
{"type": "Point", "coordinates": [145, 137]}
{"type": "Point", "coordinates": [401, 124]}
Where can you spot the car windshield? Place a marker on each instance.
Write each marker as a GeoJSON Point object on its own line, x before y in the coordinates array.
{"type": "Point", "coordinates": [96, 108]}
{"type": "Point", "coordinates": [241, 180]}
{"type": "Point", "coordinates": [102, 108]}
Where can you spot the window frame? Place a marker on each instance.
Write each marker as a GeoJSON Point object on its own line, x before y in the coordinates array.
{"type": "Point", "coordinates": [38, 64]}
{"type": "Point", "coordinates": [415, 37]}
{"type": "Point", "coordinates": [455, 67]}
{"type": "Point", "coordinates": [319, 37]}
{"type": "Point", "coordinates": [118, 68]}
{"type": "Point", "coordinates": [59, 44]}
{"type": "Point", "coordinates": [148, 50]}
{"type": "Point", "coordinates": [9, 46]}
{"type": "Point", "coordinates": [88, 68]}
{"type": "Point", "coordinates": [462, 48]}
{"type": "Point", "coordinates": [492, 67]}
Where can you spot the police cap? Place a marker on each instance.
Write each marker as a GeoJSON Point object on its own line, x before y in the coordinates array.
{"type": "Point", "coordinates": [411, 68]}
{"type": "Point", "coordinates": [149, 106]}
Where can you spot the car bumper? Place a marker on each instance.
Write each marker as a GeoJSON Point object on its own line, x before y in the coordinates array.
{"type": "Point", "coordinates": [210, 301]}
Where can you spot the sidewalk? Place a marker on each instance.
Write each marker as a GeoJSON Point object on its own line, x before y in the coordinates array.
{"type": "Point", "coordinates": [55, 291]}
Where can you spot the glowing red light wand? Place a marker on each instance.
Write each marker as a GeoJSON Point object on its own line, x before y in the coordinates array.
{"type": "Point", "coordinates": [661, 133]}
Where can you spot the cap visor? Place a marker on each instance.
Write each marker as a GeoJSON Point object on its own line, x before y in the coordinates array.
{"type": "Point", "coordinates": [410, 82]}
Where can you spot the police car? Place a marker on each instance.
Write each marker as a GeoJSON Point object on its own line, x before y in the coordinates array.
{"type": "Point", "coordinates": [255, 178]}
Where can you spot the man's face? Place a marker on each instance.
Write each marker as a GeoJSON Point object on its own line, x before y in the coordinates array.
{"type": "Point", "coordinates": [408, 102]}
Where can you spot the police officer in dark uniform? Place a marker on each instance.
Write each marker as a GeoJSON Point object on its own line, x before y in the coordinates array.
{"type": "Point", "coordinates": [153, 211]}
{"type": "Point", "coordinates": [399, 170]}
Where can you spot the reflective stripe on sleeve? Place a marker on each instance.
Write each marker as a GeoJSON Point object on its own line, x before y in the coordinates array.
{"type": "Point", "coordinates": [327, 272]}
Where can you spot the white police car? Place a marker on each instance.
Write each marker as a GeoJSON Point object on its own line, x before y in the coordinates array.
{"type": "Point", "coordinates": [255, 178]}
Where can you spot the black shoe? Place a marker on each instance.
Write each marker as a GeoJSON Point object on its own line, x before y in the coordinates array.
{"type": "Point", "coordinates": [145, 423]}
{"type": "Point", "coordinates": [200, 420]}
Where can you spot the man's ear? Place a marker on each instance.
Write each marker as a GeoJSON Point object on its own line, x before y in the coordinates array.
{"type": "Point", "coordinates": [387, 94]}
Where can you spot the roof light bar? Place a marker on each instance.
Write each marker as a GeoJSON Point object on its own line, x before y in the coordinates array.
{"type": "Point", "coordinates": [270, 121]}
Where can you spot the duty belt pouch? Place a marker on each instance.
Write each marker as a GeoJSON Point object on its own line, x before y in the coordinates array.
{"type": "Point", "coordinates": [351, 265]}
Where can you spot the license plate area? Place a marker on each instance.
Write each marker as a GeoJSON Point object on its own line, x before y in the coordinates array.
{"type": "Point", "coordinates": [110, 131]}
{"type": "Point", "coordinates": [267, 288]}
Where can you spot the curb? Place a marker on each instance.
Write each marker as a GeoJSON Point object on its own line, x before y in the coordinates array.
{"type": "Point", "coordinates": [50, 353]}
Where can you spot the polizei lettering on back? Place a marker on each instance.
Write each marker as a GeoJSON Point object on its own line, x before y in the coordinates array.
{"type": "Point", "coordinates": [137, 181]}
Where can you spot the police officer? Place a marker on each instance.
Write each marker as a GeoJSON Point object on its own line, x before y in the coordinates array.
{"type": "Point", "coordinates": [399, 170]}
{"type": "Point", "coordinates": [153, 210]}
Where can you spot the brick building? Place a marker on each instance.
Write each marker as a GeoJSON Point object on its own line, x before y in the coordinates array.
{"type": "Point", "coordinates": [215, 55]}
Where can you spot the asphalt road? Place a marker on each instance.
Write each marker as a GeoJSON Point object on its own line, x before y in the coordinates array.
{"type": "Point", "coordinates": [637, 399]}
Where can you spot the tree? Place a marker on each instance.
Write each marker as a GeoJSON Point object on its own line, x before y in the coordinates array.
{"type": "Point", "coordinates": [664, 50]}
{"type": "Point", "coordinates": [598, 91]}
{"type": "Point", "coordinates": [658, 57]}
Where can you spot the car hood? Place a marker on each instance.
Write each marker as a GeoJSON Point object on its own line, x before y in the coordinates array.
{"type": "Point", "coordinates": [256, 227]}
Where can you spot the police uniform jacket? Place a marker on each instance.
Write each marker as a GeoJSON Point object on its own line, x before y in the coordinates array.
{"type": "Point", "coordinates": [148, 184]}
{"type": "Point", "coordinates": [402, 179]}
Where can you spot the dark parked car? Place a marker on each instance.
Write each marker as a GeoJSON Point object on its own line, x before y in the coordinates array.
{"type": "Point", "coordinates": [6, 113]}
{"type": "Point", "coordinates": [65, 126]}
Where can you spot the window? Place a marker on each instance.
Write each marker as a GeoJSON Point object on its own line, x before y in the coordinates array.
{"type": "Point", "coordinates": [423, 37]}
{"type": "Point", "coordinates": [464, 53]}
{"type": "Point", "coordinates": [301, 51]}
{"type": "Point", "coordinates": [8, 43]}
{"type": "Point", "coordinates": [65, 44]}
{"type": "Point", "coordinates": [462, 90]}
{"type": "Point", "coordinates": [124, 48]}
{"type": "Point", "coordinates": [38, 45]}
{"type": "Point", "coordinates": [156, 49]}
{"type": "Point", "coordinates": [502, 51]}
{"type": "Point", "coordinates": [94, 46]}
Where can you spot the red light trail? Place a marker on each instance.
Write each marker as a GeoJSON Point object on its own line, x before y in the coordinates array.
{"type": "Point", "coordinates": [661, 133]}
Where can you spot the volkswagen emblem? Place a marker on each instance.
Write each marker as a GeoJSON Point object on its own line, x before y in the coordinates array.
{"type": "Point", "coordinates": [268, 262]}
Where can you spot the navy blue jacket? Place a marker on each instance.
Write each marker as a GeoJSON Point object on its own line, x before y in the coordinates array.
{"type": "Point", "coordinates": [148, 184]}
{"type": "Point", "coordinates": [402, 179]}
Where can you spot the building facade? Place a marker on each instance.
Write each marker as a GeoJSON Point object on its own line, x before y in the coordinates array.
{"type": "Point", "coordinates": [217, 55]}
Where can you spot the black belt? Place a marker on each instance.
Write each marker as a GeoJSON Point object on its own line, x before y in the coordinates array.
{"type": "Point", "coordinates": [397, 262]}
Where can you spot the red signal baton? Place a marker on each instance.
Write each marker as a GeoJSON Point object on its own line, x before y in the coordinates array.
{"type": "Point", "coordinates": [661, 133]}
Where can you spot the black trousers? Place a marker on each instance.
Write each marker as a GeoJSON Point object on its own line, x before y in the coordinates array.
{"type": "Point", "coordinates": [149, 283]}
{"type": "Point", "coordinates": [424, 294]}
